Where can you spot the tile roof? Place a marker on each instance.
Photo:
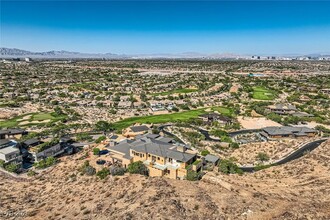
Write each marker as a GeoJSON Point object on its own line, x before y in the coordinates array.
{"type": "Point", "coordinates": [211, 158]}
{"type": "Point", "coordinates": [31, 141]}
{"type": "Point", "coordinates": [152, 146]}
{"type": "Point", "coordinates": [287, 130]}
{"type": "Point", "coordinates": [139, 128]}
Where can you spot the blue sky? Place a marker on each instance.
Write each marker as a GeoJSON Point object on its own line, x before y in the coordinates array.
{"type": "Point", "coordinates": [136, 27]}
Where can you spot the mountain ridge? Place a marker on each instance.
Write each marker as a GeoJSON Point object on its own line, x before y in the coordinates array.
{"type": "Point", "coordinates": [20, 53]}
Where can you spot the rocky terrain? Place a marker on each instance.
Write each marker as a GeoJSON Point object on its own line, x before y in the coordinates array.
{"type": "Point", "coordinates": [297, 190]}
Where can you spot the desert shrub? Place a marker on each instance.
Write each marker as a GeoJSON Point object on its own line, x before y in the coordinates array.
{"type": "Point", "coordinates": [137, 168]}
{"type": "Point", "coordinates": [262, 156]}
{"type": "Point", "coordinates": [117, 171]}
{"type": "Point", "coordinates": [102, 174]}
{"type": "Point", "coordinates": [100, 139]}
{"type": "Point", "coordinates": [46, 145]}
{"type": "Point", "coordinates": [2, 163]}
{"type": "Point", "coordinates": [193, 176]}
{"type": "Point", "coordinates": [234, 145]}
{"type": "Point", "coordinates": [90, 171]}
{"type": "Point", "coordinates": [87, 169]}
{"type": "Point", "coordinates": [84, 137]}
{"type": "Point", "coordinates": [228, 166]}
{"type": "Point", "coordinates": [261, 167]}
{"type": "Point", "coordinates": [49, 161]}
{"type": "Point", "coordinates": [13, 168]}
{"type": "Point", "coordinates": [31, 173]}
{"type": "Point", "coordinates": [205, 152]}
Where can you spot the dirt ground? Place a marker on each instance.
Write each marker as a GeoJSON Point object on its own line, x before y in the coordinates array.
{"type": "Point", "coordinates": [255, 123]}
{"type": "Point", "coordinates": [246, 154]}
{"type": "Point", "coordinates": [297, 190]}
{"type": "Point", "coordinates": [234, 88]}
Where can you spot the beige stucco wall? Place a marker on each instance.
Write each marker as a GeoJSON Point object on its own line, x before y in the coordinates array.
{"type": "Point", "coordinates": [155, 172]}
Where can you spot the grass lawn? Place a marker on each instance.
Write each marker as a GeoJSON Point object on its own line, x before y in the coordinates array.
{"type": "Point", "coordinates": [166, 118]}
{"type": "Point", "coordinates": [41, 116]}
{"type": "Point", "coordinates": [263, 93]}
{"type": "Point", "coordinates": [8, 124]}
{"type": "Point", "coordinates": [223, 110]}
{"type": "Point", "coordinates": [184, 90]}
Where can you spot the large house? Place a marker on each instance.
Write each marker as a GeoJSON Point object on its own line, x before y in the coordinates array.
{"type": "Point", "coordinates": [287, 131]}
{"type": "Point", "coordinates": [14, 133]}
{"type": "Point", "coordinates": [33, 150]}
{"type": "Point", "coordinates": [133, 131]}
{"type": "Point", "coordinates": [325, 91]}
{"type": "Point", "coordinates": [161, 157]}
{"type": "Point", "coordinates": [9, 152]}
{"type": "Point", "coordinates": [215, 117]}
{"type": "Point", "coordinates": [282, 109]}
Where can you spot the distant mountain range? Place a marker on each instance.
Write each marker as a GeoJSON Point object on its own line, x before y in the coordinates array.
{"type": "Point", "coordinates": [62, 54]}
{"type": "Point", "coordinates": [13, 53]}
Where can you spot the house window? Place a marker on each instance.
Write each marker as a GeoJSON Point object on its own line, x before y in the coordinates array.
{"type": "Point", "coordinates": [158, 158]}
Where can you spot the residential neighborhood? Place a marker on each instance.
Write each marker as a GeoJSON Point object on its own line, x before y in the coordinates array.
{"type": "Point", "coordinates": [124, 120]}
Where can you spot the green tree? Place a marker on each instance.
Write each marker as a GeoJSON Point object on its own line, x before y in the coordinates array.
{"type": "Point", "coordinates": [104, 126]}
{"type": "Point", "coordinates": [96, 151]}
{"type": "Point", "coordinates": [58, 111]}
{"type": "Point", "coordinates": [49, 161]}
{"type": "Point", "coordinates": [229, 167]}
{"type": "Point", "coordinates": [100, 139]}
{"type": "Point", "coordinates": [137, 168]}
{"type": "Point", "coordinates": [84, 137]}
{"type": "Point", "coordinates": [13, 168]}
{"type": "Point", "coordinates": [218, 133]}
{"type": "Point", "coordinates": [192, 176]}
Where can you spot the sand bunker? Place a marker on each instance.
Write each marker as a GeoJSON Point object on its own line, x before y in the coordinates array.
{"type": "Point", "coordinates": [26, 117]}
{"type": "Point", "coordinates": [34, 122]}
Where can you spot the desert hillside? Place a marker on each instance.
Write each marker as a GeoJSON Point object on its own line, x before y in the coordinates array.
{"type": "Point", "coordinates": [297, 190]}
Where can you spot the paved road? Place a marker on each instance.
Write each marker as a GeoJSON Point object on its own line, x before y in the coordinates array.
{"type": "Point", "coordinates": [202, 131]}
{"type": "Point", "coordinates": [295, 155]}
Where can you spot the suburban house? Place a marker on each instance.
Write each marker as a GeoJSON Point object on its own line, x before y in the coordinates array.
{"type": "Point", "coordinates": [35, 151]}
{"type": "Point", "coordinates": [215, 117]}
{"type": "Point", "coordinates": [287, 131]}
{"type": "Point", "coordinates": [136, 130]}
{"type": "Point", "coordinates": [325, 91]}
{"type": "Point", "coordinates": [124, 104]}
{"type": "Point", "coordinates": [9, 152]}
{"type": "Point", "coordinates": [31, 142]}
{"type": "Point", "coordinates": [302, 114]}
{"type": "Point", "coordinates": [211, 159]}
{"type": "Point", "coordinates": [14, 133]}
{"type": "Point", "coordinates": [161, 157]}
{"type": "Point", "coordinates": [282, 109]}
